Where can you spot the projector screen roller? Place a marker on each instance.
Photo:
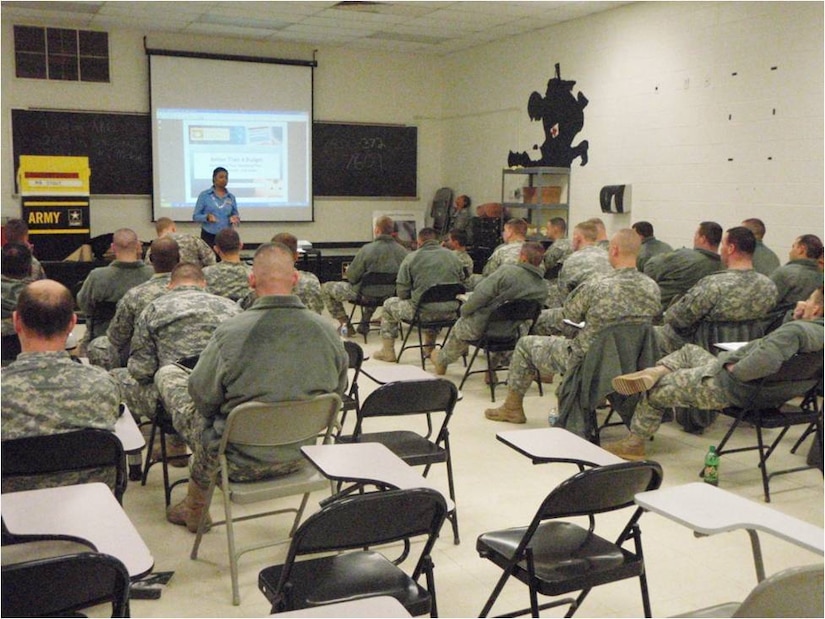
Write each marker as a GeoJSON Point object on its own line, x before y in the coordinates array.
{"type": "Point", "coordinates": [252, 118]}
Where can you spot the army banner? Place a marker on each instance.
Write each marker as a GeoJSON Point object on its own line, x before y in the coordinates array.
{"type": "Point", "coordinates": [55, 200]}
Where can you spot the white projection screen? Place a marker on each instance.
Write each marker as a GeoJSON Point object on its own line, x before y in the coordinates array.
{"type": "Point", "coordinates": [253, 118]}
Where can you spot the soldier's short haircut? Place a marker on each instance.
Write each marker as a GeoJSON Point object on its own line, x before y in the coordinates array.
{"type": "Point", "coordinates": [712, 232]}
{"type": "Point", "coordinates": [812, 245]}
{"type": "Point", "coordinates": [228, 240]}
{"type": "Point", "coordinates": [817, 297]}
{"type": "Point", "coordinates": [517, 226]}
{"type": "Point", "coordinates": [644, 229]}
{"type": "Point", "coordinates": [742, 239]}
{"type": "Point", "coordinates": [16, 230]}
{"type": "Point", "coordinates": [588, 230]}
{"type": "Point", "coordinates": [533, 252]}
{"type": "Point", "coordinates": [427, 234]}
{"type": "Point", "coordinates": [285, 238]}
{"type": "Point", "coordinates": [17, 260]}
{"type": "Point", "coordinates": [558, 222]}
{"type": "Point", "coordinates": [459, 236]}
{"type": "Point", "coordinates": [385, 225]}
{"type": "Point", "coordinates": [598, 221]}
{"type": "Point", "coordinates": [164, 254]}
{"type": "Point", "coordinates": [125, 238]}
{"type": "Point", "coordinates": [273, 261]}
{"type": "Point", "coordinates": [163, 224]}
{"type": "Point", "coordinates": [627, 242]}
{"type": "Point", "coordinates": [187, 272]}
{"type": "Point", "coordinates": [757, 226]}
{"type": "Point", "coordinates": [46, 310]}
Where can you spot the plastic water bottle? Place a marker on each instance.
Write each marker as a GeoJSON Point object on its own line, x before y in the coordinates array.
{"type": "Point", "coordinates": [553, 417]}
{"type": "Point", "coordinates": [711, 471]}
{"type": "Point", "coordinates": [344, 331]}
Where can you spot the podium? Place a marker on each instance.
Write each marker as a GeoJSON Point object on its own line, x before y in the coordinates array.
{"type": "Point", "coordinates": [55, 202]}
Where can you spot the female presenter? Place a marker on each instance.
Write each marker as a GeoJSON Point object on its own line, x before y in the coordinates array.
{"type": "Point", "coordinates": [216, 208]}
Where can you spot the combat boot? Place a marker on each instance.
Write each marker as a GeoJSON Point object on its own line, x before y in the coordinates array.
{"type": "Point", "coordinates": [636, 382]}
{"type": "Point", "coordinates": [631, 447]}
{"type": "Point", "coordinates": [512, 411]}
{"type": "Point", "coordinates": [439, 368]}
{"type": "Point", "coordinates": [387, 352]}
{"type": "Point", "coordinates": [188, 512]}
{"type": "Point", "coordinates": [429, 343]}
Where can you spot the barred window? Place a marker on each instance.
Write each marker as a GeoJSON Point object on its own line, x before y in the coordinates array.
{"type": "Point", "coordinates": [61, 54]}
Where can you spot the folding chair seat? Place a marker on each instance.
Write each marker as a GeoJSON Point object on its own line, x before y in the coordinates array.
{"type": "Point", "coordinates": [555, 557]}
{"type": "Point", "coordinates": [708, 333]}
{"type": "Point", "coordinates": [440, 293]}
{"type": "Point", "coordinates": [767, 407]}
{"type": "Point", "coordinates": [267, 425]}
{"type": "Point", "coordinates": [373, 290]}
{"type": "Point", "coordinates": [351, 400]}
{"type": "Point", "coordinates": [503, 330]}
{"type": "Point", "coordinates": [64, 459]}
{"type": "Point", "coordinates": [59, 586]}
{"type": "Point", "coordinates": [418, 397]}
{"type": "Point", "coordinates": [354, 523]}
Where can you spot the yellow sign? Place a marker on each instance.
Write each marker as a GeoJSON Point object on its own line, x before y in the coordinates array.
{"type": "Point", "coordinates": [54, 176]}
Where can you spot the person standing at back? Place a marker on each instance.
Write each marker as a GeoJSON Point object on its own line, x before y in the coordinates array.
{"type": "Point", "coordinates": [383, 255]}
{"type": "Point", "coordinates": [765, 261]}
{"type": "Point", "coordinates": [216, 207]}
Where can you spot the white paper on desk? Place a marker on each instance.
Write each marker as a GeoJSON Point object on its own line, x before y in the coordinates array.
{"type": "Point", "coordinates": [578, 325]}
{"type": "Point", "coordinates": [730, 345]}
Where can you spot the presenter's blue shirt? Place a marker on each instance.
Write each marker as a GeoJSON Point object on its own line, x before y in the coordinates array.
{"type": "Point", "coordinates": [222, 208]}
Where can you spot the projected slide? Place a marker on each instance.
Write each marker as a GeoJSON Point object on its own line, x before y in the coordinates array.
{"type": "Point", "coordinates": [261, 135]}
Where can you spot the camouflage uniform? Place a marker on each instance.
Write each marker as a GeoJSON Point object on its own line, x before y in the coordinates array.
{"type": "Point", "coordinates": [37, 269]}
{"type": "Point", "coordinates": [557, 253]}
{"type": "Point", "coordinates": [48, 393]}
{"type": "Point", "coordinates": [112, 350]}
{"type": "Point", "coordinates": [466, 261]}
{"type": "Point", "coordinates": [9, 291]}
{"type": "Point", "coordinates": [700, 380]}
{"type": "Point", "coordinates": [275, 351]}
{"type": "Point", "coordinates": [192, 249]}
{"type": "Point", "coordinates": [460, 219]}
{"type": "Point", "coordinates": [651, 246]}
{"type": "Point", "coordinates": [383, 255]}
{"type": "Point", "coordinates": [623, 296]}
{"type": "Point", "coordinates": [228, 279]}
{"type": "Point", "coordinates": [175, 325]}
{"type": "Point", "coordinates": [511, 282]}
{"type": "Point", "coordinates": [765, 261]}
{"type": "Point", "coordinates": [308, 289]}
{"type": "Point", "coordinates": [580, 266]}
{"type": "Point", "coordinates": [506, 253]}
{"type": "Point", "coordinates": [429, 265]}
{"type": "Point", "coordinates": [678, 271]}
{"type": "Point", "coordinates": [109, 284]}
{"type": "Point", "coordinates": [796, 280]}
{"type": "Point", "coordinates": [731, 296]}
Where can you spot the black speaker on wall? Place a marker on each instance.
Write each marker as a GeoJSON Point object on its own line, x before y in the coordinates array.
{"type": "Point", "coordinates": [615, 199]}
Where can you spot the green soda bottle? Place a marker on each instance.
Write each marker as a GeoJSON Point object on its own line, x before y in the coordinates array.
{"type": "Point", "coordinates": [711, 472]}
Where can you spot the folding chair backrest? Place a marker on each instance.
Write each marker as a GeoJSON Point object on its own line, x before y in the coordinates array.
{"type": "Point", "coordinates": [710, 332]}
{"type": "Point", "coordinates": [56, 586]}
{"type": "Point", "coordinates": [505, 320]}
{"type": "Point", "coordinates": [274, 424]}
{"type": "Point", "coordinates": [802, 367]}
{"type": "Point", "coordinates": [441, 293]}
{"type": "Point", "coordinates": [411, 397]}
{"type": "Point", "coordinates": [77, 451]}
{"type": "Point", "coordinates": [794, 592]}
{"type": "Point", "coordinates": [102, 315]}
{"type": "Point", "coordinates": [355, 355]}
{"type": "Point", "coordinates": [377, 285]}
{"type": "Point", "coordinates": [601, 489]}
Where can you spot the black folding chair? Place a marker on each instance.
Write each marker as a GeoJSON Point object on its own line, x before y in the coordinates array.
{"type": "Point", "coordinates": [555, 557]}
{"type": "Point", "coordinates": [351, 400]}
{"type": "Point", "coordinates": [440, 293]}
{"type": "Point", "coordinates": [373, 290]}
{"type": "Point", "coordinates": [354, 523]}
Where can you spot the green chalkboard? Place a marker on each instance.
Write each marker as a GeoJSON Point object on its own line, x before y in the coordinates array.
{"type": "Point", "coordinates": [359, 160]}
{"type": "Point", "coordinates": [118, 145]}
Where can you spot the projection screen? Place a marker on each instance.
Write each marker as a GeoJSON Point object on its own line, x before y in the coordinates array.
{"type": "Point", "coordinates": [252, 118]}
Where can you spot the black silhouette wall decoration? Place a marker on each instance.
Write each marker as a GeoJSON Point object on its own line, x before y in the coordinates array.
{"type": "Point", "coordinates": [562, 117]}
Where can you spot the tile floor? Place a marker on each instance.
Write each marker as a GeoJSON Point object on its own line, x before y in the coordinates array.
{"type": "Point", "coordinates": [497, 488]}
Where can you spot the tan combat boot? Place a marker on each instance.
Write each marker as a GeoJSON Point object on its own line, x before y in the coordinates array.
{"type": "Point", "coordinates": [636, 382]}
{"type": "Point", "coordinates": [387, 353]}
{"type": "Point", "coordinates": [439, 368]}
{"type": "Point", "coordinates": [512, 411]}
{"type": "Point", "coordinates": [188, 512]}
{"type": "Point", "coordinates": [631, 447]}
{"type": "Point", "coordinates": [429, 343]}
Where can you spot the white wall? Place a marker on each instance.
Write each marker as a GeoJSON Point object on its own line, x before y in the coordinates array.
{"type": "Point", "coordinates": [352, 87]}
{"type": "Point", "coordinates": [659, 80]}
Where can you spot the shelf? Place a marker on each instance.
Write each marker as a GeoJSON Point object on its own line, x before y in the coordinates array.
{"type": "Point", "coordinates": [537, 171]}
{"type": "Point", "coordinates": [538, 206]}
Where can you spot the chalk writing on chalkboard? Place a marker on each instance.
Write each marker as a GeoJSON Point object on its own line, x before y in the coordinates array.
{"type": "Point", "coordinates": [364, 160]}
{"type": "Point", "coordinates": [118, 145]}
